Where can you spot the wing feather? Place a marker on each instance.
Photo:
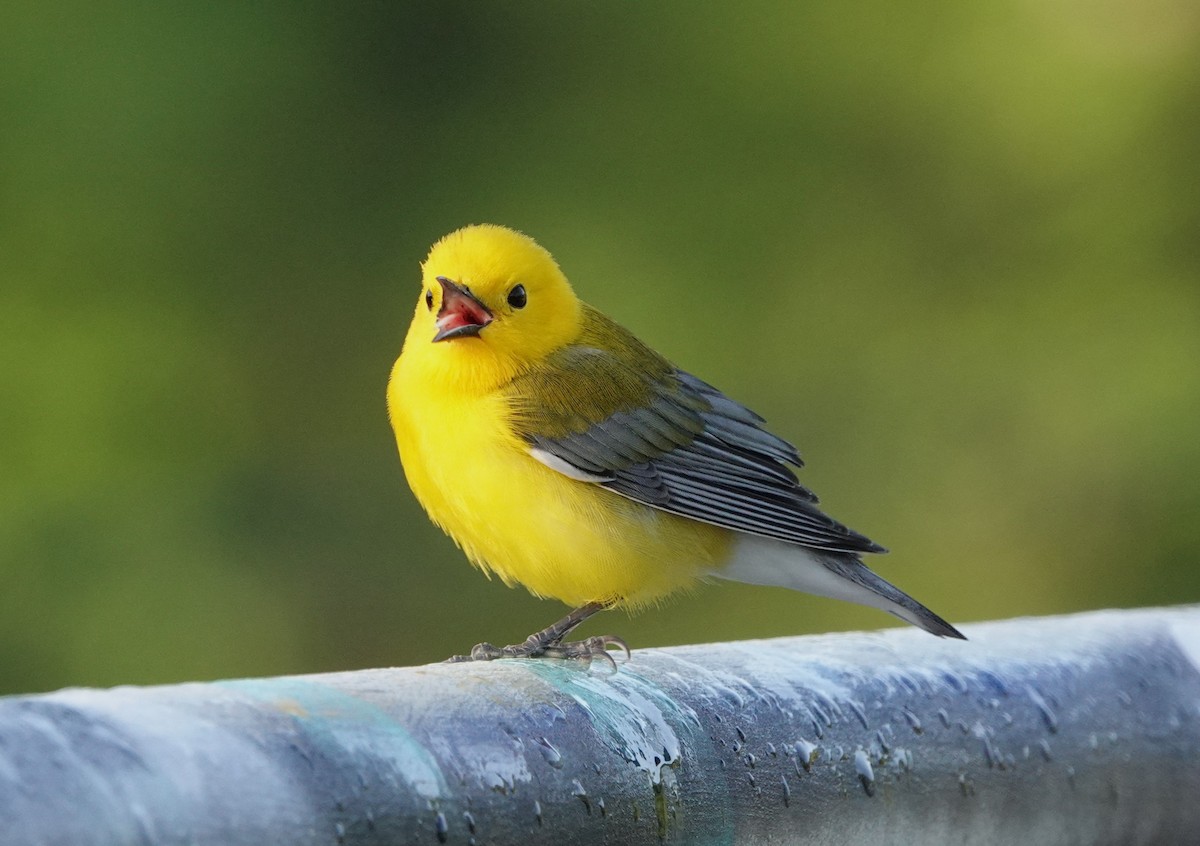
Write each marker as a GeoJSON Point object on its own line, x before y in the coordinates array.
{"type": "Point", "coordinates": [679, 445]}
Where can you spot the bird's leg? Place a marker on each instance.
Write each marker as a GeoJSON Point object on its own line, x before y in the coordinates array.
{"type": "Point", "coordinates": [549, 642]}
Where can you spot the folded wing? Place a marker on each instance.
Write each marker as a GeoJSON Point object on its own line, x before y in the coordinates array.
{"type": "Point", "coordinates": [674, 442]}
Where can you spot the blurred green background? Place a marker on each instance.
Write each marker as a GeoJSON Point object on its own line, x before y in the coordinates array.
{"type": "Point", "coordinates": [951, 250]}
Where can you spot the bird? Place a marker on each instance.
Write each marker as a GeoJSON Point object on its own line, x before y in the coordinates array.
{"type": "Point", "coordinates": [561, 453]}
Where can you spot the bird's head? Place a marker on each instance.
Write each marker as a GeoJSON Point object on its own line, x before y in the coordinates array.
{"type": "Point", "coordinates": [491, 299]}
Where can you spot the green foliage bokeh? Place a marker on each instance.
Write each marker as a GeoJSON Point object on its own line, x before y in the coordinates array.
{"type": "Point", "coordinates": [951, 250]}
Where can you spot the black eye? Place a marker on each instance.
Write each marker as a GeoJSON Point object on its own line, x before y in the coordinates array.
{"type": "Point", "coordinates": [429, 300]}
{"type": "Point", "coordinates": [517, 297]}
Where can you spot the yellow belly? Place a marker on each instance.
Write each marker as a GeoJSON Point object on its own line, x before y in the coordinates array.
{"type": "Point", "coordinates": [559, 537]}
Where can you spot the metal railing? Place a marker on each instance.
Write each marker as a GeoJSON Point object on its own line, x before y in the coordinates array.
{"type": "Point", "coordinates": [1078, 729]}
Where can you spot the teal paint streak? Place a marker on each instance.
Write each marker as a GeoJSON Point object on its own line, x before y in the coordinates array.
{"type": "Point", "coordinates": [350, 729]}
{"type": "Point", "coordinates": [648, 727]}
{"type": "Point", "coordinates": [631, 715]}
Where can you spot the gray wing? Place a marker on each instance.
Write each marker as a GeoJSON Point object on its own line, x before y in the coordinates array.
{"type": "Point", "coordinates": [693, 451]}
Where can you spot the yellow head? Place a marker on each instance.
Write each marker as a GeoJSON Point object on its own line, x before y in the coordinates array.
{"type": "Point", "coordinates": [492, 303]}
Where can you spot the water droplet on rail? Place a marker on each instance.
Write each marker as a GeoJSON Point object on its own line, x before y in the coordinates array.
{"type": "Point", "coordinates": [537, 811]}
{"type": "Point", "coordinates": [578, 790]}
{"type": "Point", "coordinates": [1048, 716]}
{"type": "Point", "coordinates": [944, 717]}
{"type": "Point", "coordinates": [469, 819]}
{"type": "Point", "coordinates": [862, 766]}
{"type": "Point", "coordinates": [787, 792]}
{"type": "Point", "coordinates": [955, 682]}
{"type": "Point", "coordinates": [965, 785]}
{"type": "Point", "coordinates": [993, 756]}
{"type": "Point", "coordinates": [553, 756]}
{"type": "Point", "coordinates": [858, 712]}
{"type": "Point", "coordinates": [440, 825]}
{"type": "Point", "coordinates": [995, 681]}
{"type": "Point", "coordinates": [914, 721]}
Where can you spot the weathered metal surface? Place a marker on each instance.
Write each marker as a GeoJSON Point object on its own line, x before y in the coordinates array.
{"type": "Point", "coordinates": [1081, 729]}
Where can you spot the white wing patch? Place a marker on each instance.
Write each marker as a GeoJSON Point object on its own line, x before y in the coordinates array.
{"type": "Point", "coordinates": [565, 467]}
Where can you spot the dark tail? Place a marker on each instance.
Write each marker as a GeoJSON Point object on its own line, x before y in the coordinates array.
{"type": "Point", "coordinates": [898, 602]}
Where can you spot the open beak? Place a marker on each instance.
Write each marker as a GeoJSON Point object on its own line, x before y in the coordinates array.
{"type": "Point", "coordinates": [461, 315]}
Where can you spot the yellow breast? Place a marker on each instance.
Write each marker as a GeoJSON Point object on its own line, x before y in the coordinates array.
{"type": "Point", "coordinates": [559, 537]}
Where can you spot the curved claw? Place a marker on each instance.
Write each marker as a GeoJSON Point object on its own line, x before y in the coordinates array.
{"type": "Point", "coordinates": [613, 640]}
{"type": "Point", "coordinates": [566, 652]}
{"type": "Point", "coordinates": [591, 648]}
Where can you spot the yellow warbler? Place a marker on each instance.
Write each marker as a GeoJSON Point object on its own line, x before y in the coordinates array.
{"type": "Point", "coordinates": [560, 452]}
